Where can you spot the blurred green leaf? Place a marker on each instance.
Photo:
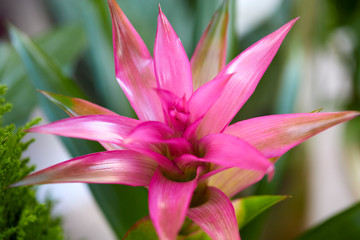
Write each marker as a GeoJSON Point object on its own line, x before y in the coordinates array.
{"type": "Point", "coordinates": [200, 235]}
{"type": "Point", "coordinates": [248, 208]}
{"type": "Point", "coordinates": [203, 12]}
{"type": "Point", "coordinates": [143, 229]}
{"type": "Point", "coordinates": [122, 205]}
{"type": "Point", "coordinates": [344, 225]}
{"type": "Point", "coordinates": [21, 93]}
{"type": "Point", "coordinates": [64, 44]}
{"type": "Point", "coordinates": [44, 72]}
{"type": "Point", "coordinates": [122, 212]}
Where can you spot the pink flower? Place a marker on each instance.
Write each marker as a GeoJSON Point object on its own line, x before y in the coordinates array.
{"type": "Point", "coordinates": [182, 147]}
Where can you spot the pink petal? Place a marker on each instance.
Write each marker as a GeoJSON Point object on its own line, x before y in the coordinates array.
{"type": "Point", "coordinates": [78, 107]}
{"type": "Point", "coordinates": [168, 203]}
{"type": "Point", "coordinates": [150, 132]}
{"type": "Point", "coordinates": [176, 112]}
{"type": "Point", "coordinates": [216, 216]}
{"type": "Point", "coordinates": [210, 53]}
{"type": "Point", "coordinates": [233, 180]}
{"type": "Point", "coordinates": [205, 96]}
{"type": "Point", "coordinates": [116, 167]}
{"type": "Point", "coordinates": [172, 67]}
{"type": "Point", "coordinates": [134, 67]}
{"type": "Point", "coordinates": [157, 140]}
{"type": "Point", "coordinates": [229, 151]}
{"type": "Point", "coordinates": [275, 134]}
{"type": "Point", "coordinates": [75, 106]}
{"type": "Point", "coordinates": [158, 137]}
{"type": "Point", "coordinates": [103, 128]}
{"type": "Point", "coordinates": [247, 70]}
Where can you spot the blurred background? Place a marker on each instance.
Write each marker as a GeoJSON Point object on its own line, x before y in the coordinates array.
{"type": "Point", "coordinates": [316, 67]}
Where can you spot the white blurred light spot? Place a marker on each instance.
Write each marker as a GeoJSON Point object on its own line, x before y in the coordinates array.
{"type": "Point", "coordinates": [251, 13]}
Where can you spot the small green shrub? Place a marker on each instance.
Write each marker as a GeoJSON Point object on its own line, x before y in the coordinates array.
{"type": "Point", "coordinates": [21, 216]}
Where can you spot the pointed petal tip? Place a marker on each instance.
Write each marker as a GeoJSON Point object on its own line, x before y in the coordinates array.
{"type": "Point", "coordinates": [348, 115]}
{"type": "Point", "coordinates": [171, 63]}
{"type": "Point", "coordinates": [162, 17]}
{"type": "Point", "coordinates": [226, 5]}
{"type": "Point", "coordinates": [111, 3]}
{"type": "Point", "coordinates": [289, 25]}
{"type": "Point", "coordinates": [33, 129]}
{"type": "Point", "coordinates": [161, 13]}
{"type": "Point", "coordinates": [45, 93]}
{"type": "Point", "coordinates": [114, 9]}
{"type": "Point", "coordinates": [270, 173]}
{"type": "Point", "coordinates": [17, 184]}
{"type": "Point", "coordinates": [20, 183]}
{"type": "Point", "coordinates": [354, 113]}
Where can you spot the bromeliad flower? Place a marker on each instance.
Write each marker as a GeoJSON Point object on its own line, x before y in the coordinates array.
{"type": "Point", "coordinates": [182, 147]}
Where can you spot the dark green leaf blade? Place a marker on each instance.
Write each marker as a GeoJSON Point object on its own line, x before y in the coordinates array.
{"type": "Point", "coordinates": [13, 73]}
{"type": "Point", "coordinates": [44, 72]}
{"type": "Point", "coordinates": [345, 225]}
{"type": "Point", "coordinates": [143, 229]}
{"type": "Point", "coordinates": [248, 208]}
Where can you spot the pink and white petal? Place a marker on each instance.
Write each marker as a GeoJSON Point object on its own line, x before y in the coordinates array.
{"type": "Point", "coordinates": [178, 146]}
{"type": "Point", "coordinates": [175, 109]}
{"type": "Point", "coordinates": [172, 66]}
{"type": "Point", "coordinates": [246, 70]}
{"type": "Point", "coordinates": [75, 106]}
{"type": "Point", "coordinates": [78, 107]}
{"type": "Point", "coordinates": [168, 203]}
{"type": "Point", "coordinates": [205, 96]}
{"type": "Point", "coordinates": [156, 136]}
{"type": "Point", "coordinates": [216, 216]}
{"type": "Point", "coordinates": [134, 67]}
{"type": "Point", "coordinates": [111, 167]}
{"type": "Point", "coordinates": [210, 53]}
{"type": "Point", "coordinates": [229, 151]}
{"type": "Point", "coordinates": [165, 163]}
{"type": "Point", "coordinates": [149, 132]}
{"type": "Point", "coordinates": [275, 134]}
{"type": "Point", "coordinates": [102, 128]}
{"type": "Point", "coordinates": [233, 180]}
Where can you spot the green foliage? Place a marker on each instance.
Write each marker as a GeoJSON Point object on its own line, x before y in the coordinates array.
{"type": "Point", "coordinates": [64, 44]}
{"type": "Point", "coordinates": [21, 216]}
{"type": "Point", "coordinates": [344, 225]}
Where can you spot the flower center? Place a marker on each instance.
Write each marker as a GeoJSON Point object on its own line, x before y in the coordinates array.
{"type": "Point", "coordinates": [178, 115]}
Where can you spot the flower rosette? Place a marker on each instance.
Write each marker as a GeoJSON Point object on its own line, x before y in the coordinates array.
{"type": "Point", "coordinates": [182, 147]}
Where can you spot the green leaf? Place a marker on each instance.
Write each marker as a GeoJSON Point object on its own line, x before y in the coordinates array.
{"type": "Point", "coordinates": [199, 235]}
{"type": "Point", "coordinates": [248, 208]}
{"type": "Point", "coordinates": [143, 229]}
{"type": "Point", "coordinates": [344, 225]}
{"type": "Point", "coordinates": [56, 43]}
{"type": "Point", "coordinates": [209, 58]}
{"type": "Point", "coordinates": [122, 205]}
{"type": "Point", "coordinates": [12, 73]}
{"type": "Point", "coordinates": [44, 72]}
{"type": "Point", "coordinates": [64, 44]}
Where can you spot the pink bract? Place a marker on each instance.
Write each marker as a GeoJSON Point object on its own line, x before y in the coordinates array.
{"type": "Point", "coordinates": [182, 147]}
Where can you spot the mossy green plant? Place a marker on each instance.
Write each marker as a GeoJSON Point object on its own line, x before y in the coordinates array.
{"type": "Point", "coordinates": [21, 216]}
